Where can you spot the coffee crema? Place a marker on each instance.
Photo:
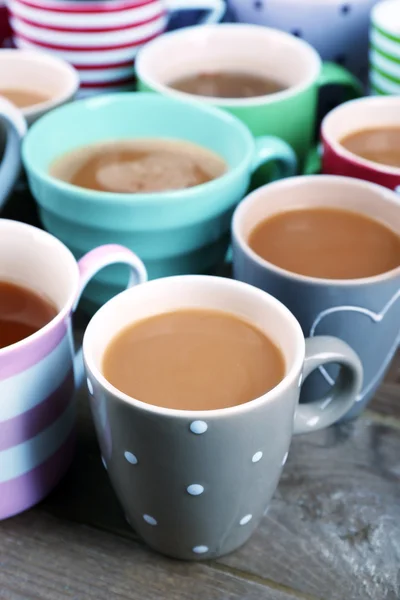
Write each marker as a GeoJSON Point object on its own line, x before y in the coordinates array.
{"type": "Point", "coordinates": [193, 359]}
{"type": "Point", "coordinates": [378, 144]}
{"type": "Point", "coordinates": [22, 313]}
{"type": "Point", "coordinates": [226, 84]}
{"type": "Point", "coordinates": [22, 98]}
{"type": "Point", "coordinates": [326, 243]}
{"type": "Point", "coordinates": [139, 166]}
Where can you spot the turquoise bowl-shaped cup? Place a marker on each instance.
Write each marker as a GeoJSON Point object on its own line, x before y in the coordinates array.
{"type": "Point", "coordinates": [178, 232]}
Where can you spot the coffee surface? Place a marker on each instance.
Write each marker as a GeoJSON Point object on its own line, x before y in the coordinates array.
{"type": "Point", "coordinates": [22, 313]}
{"type": "Point", "coordinates": [380, 145]}
{"type": "Point", "coordinates": [139, 166]}
{"type": "Point", "coordinates": [227, 85]}
{"type": "Point", "coordinates": [23, 98]}
{"type": "Point", "coordinates": [193, 360]}
{"type": "Point", "coordinates": [327, 243]}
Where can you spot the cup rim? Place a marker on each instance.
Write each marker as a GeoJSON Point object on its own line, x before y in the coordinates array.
{"type": "Point", "coordinates": [63, 313]}
{"type": "Point", "coordinates": [346, 154]}
{"type": "Point", "coordinates": [228, 102]}
{"type": "Point", "coordinates": [37, 57]}
{"type": "Point", "coordinates": [272, 395]}
{"type": "Point", "coordinates": [303, 180]}
{"type": "Point", "coordinates": [181, 195]}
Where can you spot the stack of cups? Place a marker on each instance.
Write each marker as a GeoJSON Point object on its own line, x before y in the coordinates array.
{"type": "Point", "coordinates": [385, 48]}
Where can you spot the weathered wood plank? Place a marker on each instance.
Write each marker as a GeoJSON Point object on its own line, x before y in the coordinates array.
{"type": "Point", "coordinates": [387, 399]}
{"type": "Point", "coordinates": [45, 558]}
{"type": "Point", "coordinates": [333, 530]}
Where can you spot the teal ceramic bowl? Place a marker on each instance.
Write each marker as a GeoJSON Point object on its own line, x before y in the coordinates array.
{"type": "Point", "coordinates": [179, 232]}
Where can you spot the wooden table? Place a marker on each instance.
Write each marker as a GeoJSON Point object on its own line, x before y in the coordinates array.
{"type": "Point", "coordinates": [332, 531]}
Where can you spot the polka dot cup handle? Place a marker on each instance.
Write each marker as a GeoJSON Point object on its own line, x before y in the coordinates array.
{"type": "Point", "coordinates": [93, 262]}
{"type": "Point", "coordinates": [15, 127]}
{"type": "Point", "coordinates": [329, 409]}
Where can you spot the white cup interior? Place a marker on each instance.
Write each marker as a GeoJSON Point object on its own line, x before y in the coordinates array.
{"type": "Point", "coordinates": [326, 191]}
{"type": "Point", "coordinates": [387, 16]}
{"type": "Point", "coordinates": [38, 72]}
{"type": "Point", "coordinates": [192, 291]}
{"type": "Point", "coordinates": [229, 47]}
{"type": "Point", "coordinates": [365, 113]}
{"type": "Point", "coordinates": [36, 260]}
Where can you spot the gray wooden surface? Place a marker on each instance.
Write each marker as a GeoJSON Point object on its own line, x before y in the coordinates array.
{"type": "Point", "coordinates": [332, 531]}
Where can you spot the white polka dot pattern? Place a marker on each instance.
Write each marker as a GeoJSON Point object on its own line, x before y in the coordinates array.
{"type": "Point", "coordinates": [244, 520]}
{"type": "Point", "coordinates": [257, 456]}
{"type": "Point", "coordinates": [150, 520]}
{"type": "Point", "coordinates": [200, 549]}
{"type": "Point", "coordinates": [198, 427]}
{"type": "Point", "coordinates": [131, 458]}
{"type": "Point", "coordinates": [195, 489]}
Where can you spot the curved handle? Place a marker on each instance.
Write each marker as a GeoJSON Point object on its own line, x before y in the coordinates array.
{"type": "Point", "coordinates": [216, 9]}
{"type": "Point", "coordinates": [333, 74]}
{"type": "Point", "coordinates": [89, 265]}
{"type": "Point", "coordinates": [271, 149]}
{"type": "Point", "coordinates": [321, 413]}
{"type": "Point", "coordinates": [15, 126]}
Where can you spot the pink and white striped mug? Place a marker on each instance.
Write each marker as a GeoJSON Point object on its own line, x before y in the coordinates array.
{"type": "Point", "coordinates": [37, 374]}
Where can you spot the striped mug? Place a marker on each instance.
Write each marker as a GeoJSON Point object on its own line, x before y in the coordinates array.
{"type": "Point", "coordinates": [37, 374]}
{"type": "Point", "coordinates": [384, 73]}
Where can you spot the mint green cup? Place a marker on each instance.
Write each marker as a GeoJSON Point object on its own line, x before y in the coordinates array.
{"type": "Point", "coordinates": [174, 233]}
{"type": "Point", "coordinates": [290, 114]}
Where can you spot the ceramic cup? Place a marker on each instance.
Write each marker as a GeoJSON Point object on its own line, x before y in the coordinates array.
{"type": "Point", "coordinates": [5, 30]}
{"type": "Point", "coordinates": [337, 29]}
{"type": "Point", "coordinates": [354, 116]}
{"type": "Point", "coordinates": [99, 38]}
{"type": "Point", "coordinates": [365, 313]}
{"type": "Point", "coordinates": [384, 75]}
{"type": "Point", "coordinates": [195, 484]}
{"type": "Point", "coordinates": [37, 376]}
{"type": "Point", "coordinates": [37, 71]}
{"type": "Point", "coordinates": [177, 232]}
{"type": "Point", "coordinates": [290, 114]}
{"type": "Point", "coordinates": [12, 130]}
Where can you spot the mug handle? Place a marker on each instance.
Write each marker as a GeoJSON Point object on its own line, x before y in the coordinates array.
{"type": "Point", "coordinates": [15, 126]}
{"type": "Point", "coordinates": [270, 149]}
{"type": "Point", "coordinates": [332, 74]}
{"type": "Point", "coordinates": [322, 413]}
{"type": "Point", "coordinates": [93, 262]}
{"type": "Point", "coordinates": [216, 9]}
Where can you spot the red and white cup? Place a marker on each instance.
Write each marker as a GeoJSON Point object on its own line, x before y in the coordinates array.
{"type": "Point", "coordinates": [353, 116]}
{"type": "Point", "coordinates": [99, 38]}
{"type": "Point", "coordinates": [39, 374]}
{"type": "Point", "coordinates": [5, 29]}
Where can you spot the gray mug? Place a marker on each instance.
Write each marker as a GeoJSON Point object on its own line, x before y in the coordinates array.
{"type": "Point", "coordinates": [365, 313]}
{"type": "Point", "coordinates": [195, 484]}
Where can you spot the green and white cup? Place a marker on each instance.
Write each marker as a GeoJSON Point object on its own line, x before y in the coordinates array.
{"type": "Point", "coordinates": [289, 114]}
{"type": "Point", "coordinates": [384, 74]}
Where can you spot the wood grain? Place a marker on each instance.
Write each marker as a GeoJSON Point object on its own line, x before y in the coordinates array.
{"type": "Point", "coordinates": [45, 558]}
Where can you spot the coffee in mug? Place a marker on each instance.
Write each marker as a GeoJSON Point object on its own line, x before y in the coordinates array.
{"type": "Point", "coordinates": [22, 98]}
{"type": "Point", "coordinates": [326, 243]}
{"type": "Point", "coordinates": [22, 312]}
{"type": "Point", "coordinates": [193, 360]}
{"type": "Point", "coordinates": [228, 84]}
{"type": "Point", "coordinates": [137, 166]}
{"type": "Point", "coordinates": [377, 144]}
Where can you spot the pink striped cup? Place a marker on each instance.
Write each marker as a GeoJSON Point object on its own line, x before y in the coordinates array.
{"type": "Point", "coordinates": [39, 374]}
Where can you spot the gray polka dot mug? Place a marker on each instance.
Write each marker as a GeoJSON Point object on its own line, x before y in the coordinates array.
{"type": "Point", "coordinates": [195, 484]}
